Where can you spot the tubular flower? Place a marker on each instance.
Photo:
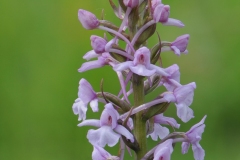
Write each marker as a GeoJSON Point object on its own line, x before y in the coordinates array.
{"type": "Point", "coordinates": [109, 131]}
{"type": "Point", "coordinates": [86, 95]}
{"type": "Point", "coordinates": [160, 131]}
{"type": "Point", "coordinates": [182, 96]}
{"type": "Point", "coordinates": [141, 64]}
{"type": "Point", "coordinates": [194, 135]}
{"type": "Point", "coordinates": [179, 45]}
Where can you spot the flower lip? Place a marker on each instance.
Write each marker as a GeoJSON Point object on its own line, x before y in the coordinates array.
{"type": "Point", "coordinates": [88, 20]}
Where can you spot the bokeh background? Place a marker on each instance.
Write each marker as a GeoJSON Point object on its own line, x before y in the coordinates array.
{"type": "Point", "coordinates": [41, 48]}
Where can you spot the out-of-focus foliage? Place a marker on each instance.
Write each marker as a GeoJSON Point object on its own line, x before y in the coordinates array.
{"type": "Point", "coordinates": [41, 47]}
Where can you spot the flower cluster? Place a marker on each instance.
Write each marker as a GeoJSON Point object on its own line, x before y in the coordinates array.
{"type": "Point", "coordinates": [132, 122]}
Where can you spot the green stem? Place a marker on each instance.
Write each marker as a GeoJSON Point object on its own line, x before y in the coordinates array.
{"type": "Point", "coordinates": [139, 123]}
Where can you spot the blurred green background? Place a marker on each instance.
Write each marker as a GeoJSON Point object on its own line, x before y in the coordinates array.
{"type": "Point", "coordinates": [41, 47]}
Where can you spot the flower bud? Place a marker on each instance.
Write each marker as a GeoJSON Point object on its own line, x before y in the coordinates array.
{"type": "Point", "coordinates": [131, 3]}
{"type": "Point", "coordinates": [98, 44]}
{"type": "Point", "coordinates": [87, 19]}
{"type": "Point", "coordinates": [161, 13]}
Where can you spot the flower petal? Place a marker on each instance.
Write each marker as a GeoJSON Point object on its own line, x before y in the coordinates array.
{"type": "Point", "coordinates": [173, 22]}
{"type": "Point", "coordinates": [91, 54]}
{"type": "Point", "coordinates": [198, 151]}
{"type": "Point", "coordinates": [185, 147]}
{"type": "Point", "coordinates": [123, 66]}
{"type": "Point", "coordinates": [80, 109]}
{"type": "Point", "coordinates": [99, 153]}
{"type": "Point", "coordinates": [90, 122]}
{"type": "Point", "coordinates": [103, 136]}
{"type": "Point", "coordinates": [159, 131]}
{"type": "Point", "coordinates": [142, 70]}
{"type": "Point", "coordinates": [94, 105]}
{"type": "Point", "coordinates": [184, 112]}
{"type": "Point", "coordinates": [123, 131]}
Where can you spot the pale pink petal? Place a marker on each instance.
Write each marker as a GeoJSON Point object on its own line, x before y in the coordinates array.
{"type": "Point", "coordinates": [142, 70]}
{"type": "Point", "coordinates": [103, 136]}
